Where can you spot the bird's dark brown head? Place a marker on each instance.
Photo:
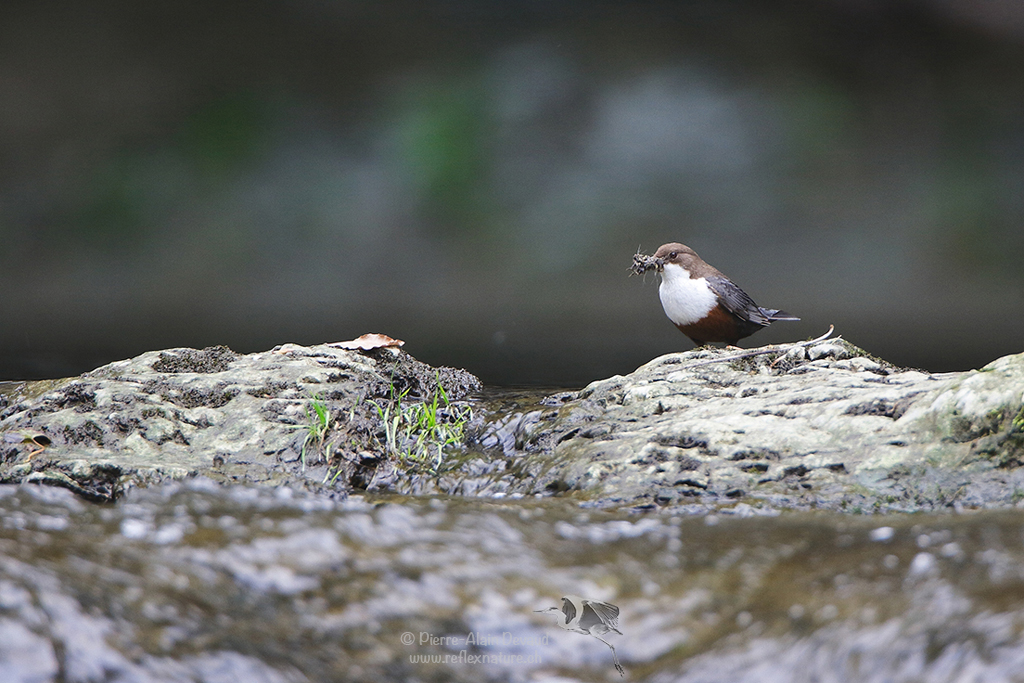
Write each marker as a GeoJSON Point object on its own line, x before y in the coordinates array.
{"type": "Point", "coordinates": [679, 254]}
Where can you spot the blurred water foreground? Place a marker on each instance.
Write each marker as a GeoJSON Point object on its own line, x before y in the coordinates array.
{"type": "Point", "coordinates": [195, 581]}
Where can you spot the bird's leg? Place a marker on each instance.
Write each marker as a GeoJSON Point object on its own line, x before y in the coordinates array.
{"type": "Point", "coordinates": [615, 657]}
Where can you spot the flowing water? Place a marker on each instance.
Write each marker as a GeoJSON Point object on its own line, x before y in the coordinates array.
{"type": "Point", "coordinates": [198, 582]}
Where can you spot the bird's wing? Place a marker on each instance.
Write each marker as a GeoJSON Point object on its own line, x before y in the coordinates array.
{"type": "Point", "coordinates": [568, 609]}
{"type": "Point", "coordinates": [736, 301]}
{"type": "Point", "coordinates": [602, 613]}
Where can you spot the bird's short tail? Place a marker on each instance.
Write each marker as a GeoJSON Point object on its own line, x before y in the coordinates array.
{"type": "Point", "coordinates": [773, 314]}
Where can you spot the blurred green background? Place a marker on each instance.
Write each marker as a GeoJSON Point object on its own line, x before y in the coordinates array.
{"type": "Point", "coordinates": [474, 177]}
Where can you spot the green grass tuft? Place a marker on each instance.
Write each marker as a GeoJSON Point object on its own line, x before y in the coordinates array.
{"type": "Point", "coordinates": [418, 433]}
{"type": "Point", "coordinates": [317, 429]}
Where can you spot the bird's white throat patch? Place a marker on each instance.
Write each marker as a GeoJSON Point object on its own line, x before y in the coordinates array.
{"type": "Point", "coordinates": [684, 299]}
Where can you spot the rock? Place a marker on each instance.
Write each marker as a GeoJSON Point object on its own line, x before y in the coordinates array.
{"type": "Point", "coordinates": [823, 426]}
{"type": "Point", "coordinates": [832, 428]}
{"type": "Point", "coordinates": [233, 417]}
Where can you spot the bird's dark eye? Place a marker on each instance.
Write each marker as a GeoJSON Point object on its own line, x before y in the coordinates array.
{"type": "Point", "coordinates": [673, 255]}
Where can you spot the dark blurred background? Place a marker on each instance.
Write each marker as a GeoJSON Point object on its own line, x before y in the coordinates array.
{"type": "Point", "coordinates": [474, 177]}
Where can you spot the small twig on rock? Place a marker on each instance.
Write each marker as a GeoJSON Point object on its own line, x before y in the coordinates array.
{"type": "Point", "coordinates": [783, 348]}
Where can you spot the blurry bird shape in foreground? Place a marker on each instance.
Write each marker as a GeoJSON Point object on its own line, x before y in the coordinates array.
{"type": "Point", "coordinates": [589, 617]}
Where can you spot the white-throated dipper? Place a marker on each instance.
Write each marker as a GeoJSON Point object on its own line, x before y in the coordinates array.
{"type": "Point", "coordinates": [705, 305]}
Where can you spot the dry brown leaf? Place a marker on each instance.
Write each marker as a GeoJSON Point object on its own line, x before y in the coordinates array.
{"type": "Point", "coordinates": [369, 342]}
